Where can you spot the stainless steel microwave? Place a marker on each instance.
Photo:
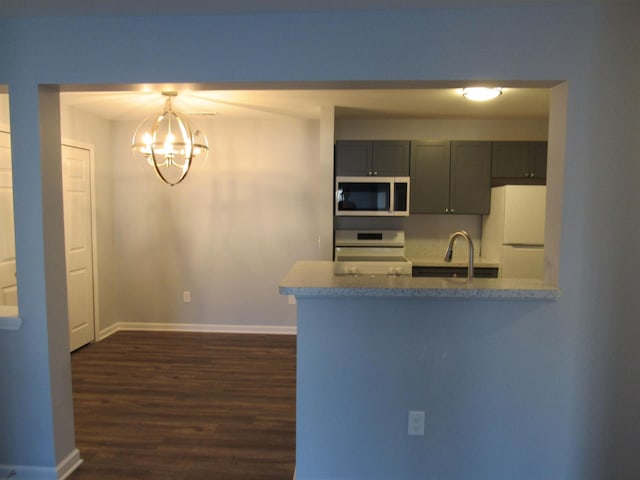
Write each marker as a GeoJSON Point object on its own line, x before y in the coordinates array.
{"type": "Point", "coordinates": [372, 196]}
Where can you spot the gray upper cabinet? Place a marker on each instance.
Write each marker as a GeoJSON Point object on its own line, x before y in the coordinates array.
{"type": "Point", "coordinates": [387, 158]}
{"type": "Point", "coordinates": [430, 166]}
{"type": "Point", "coordinates": [470, 178]}
{"type": "Point", "coordinates": [450, 177]}
{"type": "Point", "coordinates": [519, 162]}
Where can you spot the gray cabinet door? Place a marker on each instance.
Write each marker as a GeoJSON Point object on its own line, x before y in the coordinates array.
{"type": "Point", "coordinates": [386, 158]}
{"type": "Point", "coordinates": [519, 162]}
{"type": "Point", "coordinates": [470, 191]}
{"type": "Point", "coordinates": [430, 177]}
{"type": "Point", "coordinates": [353, 158]}
{"type": "Point", "coordinates": [391, 158]}
{"type": "Point", "coordinates": [510, 159]}
{"type": "Point", "coordinates": [538, 160]}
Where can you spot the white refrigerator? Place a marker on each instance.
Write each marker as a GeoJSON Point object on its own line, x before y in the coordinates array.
{"type": "Point", "coordinates": [513, 233]}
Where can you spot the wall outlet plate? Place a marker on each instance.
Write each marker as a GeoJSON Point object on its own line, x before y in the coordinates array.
{"type": "Point", "coordinates": [416, 422]}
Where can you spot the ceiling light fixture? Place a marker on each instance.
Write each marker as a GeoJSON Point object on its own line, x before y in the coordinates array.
{"type": "Point", "coordinates": [481, 94]}
{"type": "Point", "coordinates": [169, 143]}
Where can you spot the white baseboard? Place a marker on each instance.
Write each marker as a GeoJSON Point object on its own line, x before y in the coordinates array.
{"type": "Point", "coordinates": [60, 472]}
{"type": "Point", "coordinates": [102, 334]}
{"type": "Point", "coordinates": [69, 465]}
{"type": "Point", "coordinates": [196, 327]}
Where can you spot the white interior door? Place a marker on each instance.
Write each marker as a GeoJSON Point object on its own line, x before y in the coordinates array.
{"type": "Point", "coordinates": [76, 175]}
{"type": "Point", "coordinates": [8, 286]}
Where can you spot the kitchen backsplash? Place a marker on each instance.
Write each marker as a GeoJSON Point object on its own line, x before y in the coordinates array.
{"type": "Point", "coordinates": [426, 236]}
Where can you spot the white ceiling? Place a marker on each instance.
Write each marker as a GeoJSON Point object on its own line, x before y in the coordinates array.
{"type": "Point", "coordinates": [307, 103]}
{"type": "Point", "coordinates": [22, 8]}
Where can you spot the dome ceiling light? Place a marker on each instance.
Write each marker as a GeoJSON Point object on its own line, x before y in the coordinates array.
{"type": "Point", "coordinates": [168, 143]}
{"type": "Point", "coordinates": [481, 94]}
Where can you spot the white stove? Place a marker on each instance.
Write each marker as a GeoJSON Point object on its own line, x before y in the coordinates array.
{"type": "Point", "coordinates": [370, 252]}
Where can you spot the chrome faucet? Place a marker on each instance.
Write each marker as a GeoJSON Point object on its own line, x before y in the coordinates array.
{"type": "Point", "coordinates": [449, 253]}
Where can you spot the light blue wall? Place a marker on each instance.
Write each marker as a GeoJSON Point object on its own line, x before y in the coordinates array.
{"type": "Point", "coordinates": [494, 379]}
{"type": "Point", "coordinates": [556, 380]}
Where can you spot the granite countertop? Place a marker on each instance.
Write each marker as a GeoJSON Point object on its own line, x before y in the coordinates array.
{"type": "Point", "coordinates": [316, 279]}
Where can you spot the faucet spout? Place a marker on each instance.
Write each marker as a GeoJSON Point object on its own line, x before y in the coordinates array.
{"type": "Point", "coordinates": [449, 253]}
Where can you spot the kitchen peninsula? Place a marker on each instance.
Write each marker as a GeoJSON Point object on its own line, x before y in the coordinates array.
{"type": "Point", "coordinates": [371, 348]}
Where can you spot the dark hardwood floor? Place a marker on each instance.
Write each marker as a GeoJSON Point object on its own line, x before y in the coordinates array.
{"type": "Point", "coordinates": [185, 406]}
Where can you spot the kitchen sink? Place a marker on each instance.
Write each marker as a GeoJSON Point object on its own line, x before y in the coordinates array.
{"type": "Point", "coordinates": [450, 272]}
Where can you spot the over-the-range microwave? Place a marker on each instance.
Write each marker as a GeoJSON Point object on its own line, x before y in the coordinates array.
{"type": "Point", "coordinates": [372, 196]}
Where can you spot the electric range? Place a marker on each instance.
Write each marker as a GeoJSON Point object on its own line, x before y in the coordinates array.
{"type": "Point", "coordinates": [370, 252]}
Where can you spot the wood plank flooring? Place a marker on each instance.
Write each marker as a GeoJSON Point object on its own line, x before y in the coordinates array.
{"type": "Point", "coordinates": [185, 406]}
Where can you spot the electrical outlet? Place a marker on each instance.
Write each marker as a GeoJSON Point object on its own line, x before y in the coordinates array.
{"type": "Point", "coordinates": [186, 296]}
{"type": "Point", "coordinates": [416, 422]}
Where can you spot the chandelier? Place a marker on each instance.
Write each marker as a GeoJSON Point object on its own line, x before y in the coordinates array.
{"type": "Point", "coordinates": [169, 143]}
